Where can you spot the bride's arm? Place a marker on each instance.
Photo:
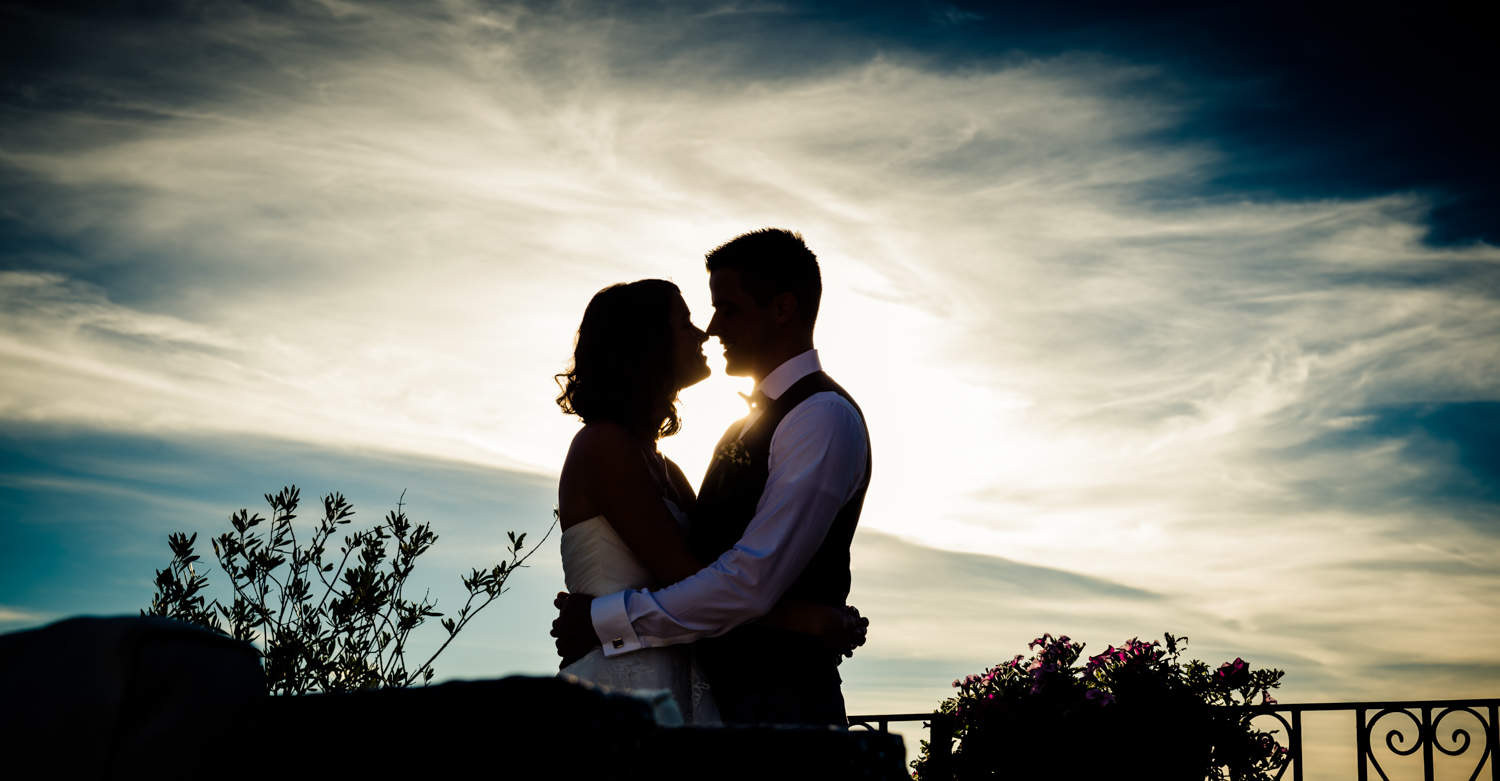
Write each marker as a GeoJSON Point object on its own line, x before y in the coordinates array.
{"type": "Point", "coordinates": [614, 472]}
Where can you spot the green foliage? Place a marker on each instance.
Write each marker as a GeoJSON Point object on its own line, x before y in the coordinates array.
{"type": "Point", "coordinates": [1135, 706]}
{"type": "Point", "coordinates": [324, 624]}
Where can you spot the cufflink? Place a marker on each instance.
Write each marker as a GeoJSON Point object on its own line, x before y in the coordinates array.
{"type": "Point", "coordinates": [618, 642]}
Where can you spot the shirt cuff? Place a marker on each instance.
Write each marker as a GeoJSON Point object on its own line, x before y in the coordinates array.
{"type": "Point", "coordinates": [612, 624]}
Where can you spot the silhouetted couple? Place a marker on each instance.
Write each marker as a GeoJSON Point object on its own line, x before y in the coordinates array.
{"type": "Point", "coordinates": [731, 598]}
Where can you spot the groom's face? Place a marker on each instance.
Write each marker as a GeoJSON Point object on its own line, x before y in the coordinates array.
{"type": "Point", "coordinates": [741, 326]}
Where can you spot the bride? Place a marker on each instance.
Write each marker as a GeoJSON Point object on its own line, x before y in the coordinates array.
{"type": "Point", "coordinates": [624, 508]}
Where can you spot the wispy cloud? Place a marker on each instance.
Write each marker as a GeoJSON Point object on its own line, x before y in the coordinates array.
{"type": "Point", "coordinates": [10, 615]}
{"type": "Point", "coordinates": [736, 9]}
{"type": "Point", "coordinates": [949, 14]}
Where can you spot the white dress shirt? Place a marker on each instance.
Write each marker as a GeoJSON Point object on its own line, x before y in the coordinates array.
{"type": "Point", "coordinates": [818, 456]}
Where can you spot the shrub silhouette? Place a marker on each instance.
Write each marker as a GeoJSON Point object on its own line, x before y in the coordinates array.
{"type": "Point", "coordinates": [322, 625]}
{"type": "Point", "coordinates": [1136, 706]}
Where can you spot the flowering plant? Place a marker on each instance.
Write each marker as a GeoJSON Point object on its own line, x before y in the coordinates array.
{"type": "Point", "coordinates": [1133, 707]}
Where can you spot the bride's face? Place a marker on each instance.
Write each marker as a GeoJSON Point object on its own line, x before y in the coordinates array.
{"type": "Point", "coordinates": [687, 346]}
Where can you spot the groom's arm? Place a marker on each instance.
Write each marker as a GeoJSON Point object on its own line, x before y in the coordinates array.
{"type": "Point", "coordinates": [817, 461]}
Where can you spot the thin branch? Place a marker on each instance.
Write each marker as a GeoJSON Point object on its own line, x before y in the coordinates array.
{"type": "Point", "coordinates": [499, 589]}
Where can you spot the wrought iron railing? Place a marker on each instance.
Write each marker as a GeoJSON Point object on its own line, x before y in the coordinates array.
{"type": "Point", "coordinates": [1414, 726]}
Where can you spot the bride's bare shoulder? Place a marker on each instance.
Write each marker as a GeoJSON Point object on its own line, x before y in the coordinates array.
{"type": "Point", "coordinates": [602, 451]}
{"type": "Point", "coordinates": [596, 456]}
{"type": "Point", "coordinates": [601, 439]}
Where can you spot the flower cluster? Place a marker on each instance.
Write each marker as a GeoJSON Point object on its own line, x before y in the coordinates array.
{"type": "Point", "coordinates": [1140, 697]}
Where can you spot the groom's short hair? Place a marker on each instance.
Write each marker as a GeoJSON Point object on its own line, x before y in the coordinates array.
{"type": "Point", "coordinates": [773, 261]}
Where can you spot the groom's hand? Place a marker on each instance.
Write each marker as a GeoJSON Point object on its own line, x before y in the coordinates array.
{"type": "Point", "coordinates": [853, 629]}
{"type": "Point", "coordinates": [573, 627]}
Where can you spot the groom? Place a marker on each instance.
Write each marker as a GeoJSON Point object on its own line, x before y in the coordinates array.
{"type": "Point", "coordinates": [777, 510]}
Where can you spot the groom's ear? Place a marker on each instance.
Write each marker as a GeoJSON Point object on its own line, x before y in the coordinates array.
{"type": "Point", "coordinates": [784, 308]}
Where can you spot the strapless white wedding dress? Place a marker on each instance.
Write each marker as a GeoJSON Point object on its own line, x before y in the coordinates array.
{"type": "Point", "coordinates": [596, 561]}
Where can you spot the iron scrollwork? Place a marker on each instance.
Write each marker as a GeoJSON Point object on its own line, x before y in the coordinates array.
{"type": "Point", "coordinates": [1293, 740]}
{"type": "Point", "coordinates": [1428, 737]}
{"type": "Point", "coordinates": [1426, 718]}
{"type": "Point", "coordinates": [1392, 738]}
{"type": "Point", "coordinates": [1486, 729]}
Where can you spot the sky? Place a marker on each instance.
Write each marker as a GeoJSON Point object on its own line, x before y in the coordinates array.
{"type": "Point", "coordinates": [1163, 319]}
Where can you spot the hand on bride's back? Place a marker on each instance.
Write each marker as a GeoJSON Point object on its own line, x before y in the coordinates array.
{"type": "Point", "coordinates": [844, 630]}
{"type": "Point", "coordinates": [840, 629]}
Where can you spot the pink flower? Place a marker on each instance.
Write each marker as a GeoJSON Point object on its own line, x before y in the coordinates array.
{"type": "Point", "coordinates": [1234, 672]}
{"type": "Point", "coordinates": [1237, 665]}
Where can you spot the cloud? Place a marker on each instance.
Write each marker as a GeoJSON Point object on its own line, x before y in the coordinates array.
{"type": "Point", "coordinates": [737, 9]}
{"type": "Point", "coordinates": [10, 615]}
{"type": "Point", "coordinates": [948, 14]}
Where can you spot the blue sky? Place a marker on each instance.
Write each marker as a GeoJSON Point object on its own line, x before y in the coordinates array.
{"type": "Point", "coordinates": [1165, 320]}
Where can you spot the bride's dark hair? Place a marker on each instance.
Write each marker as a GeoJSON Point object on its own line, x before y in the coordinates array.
{"type": "Point", "coordinates": [623, 367]}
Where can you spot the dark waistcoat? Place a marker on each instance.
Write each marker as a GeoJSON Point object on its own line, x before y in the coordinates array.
{"type": "Point", "coordinates": [731, 490]}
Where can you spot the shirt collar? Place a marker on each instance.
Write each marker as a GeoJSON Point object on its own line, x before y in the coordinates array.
{"type": "Point", "coordinates": [784, 376]}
